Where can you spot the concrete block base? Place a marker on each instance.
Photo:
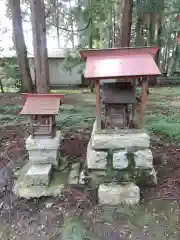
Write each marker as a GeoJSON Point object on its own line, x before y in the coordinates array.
{"type": "Point", "coordinates": [44, 151]}
{"type": "Point", "coordinates": [118, 194]}
{"type": "Point", "coordinates": [74, 174]}
{"type": "Point", "coordinates": [44, 143]}
{"type": "Point", "coordinates": [38, 175]}
{"type": "Point", "coordinates": [96, 159]}
{"type": "Point", "coordinates": [119, 140]}
{"type": "Point", "coordinates": [57, 184]}
{"type": "Point", "coordinates": [38, 157]}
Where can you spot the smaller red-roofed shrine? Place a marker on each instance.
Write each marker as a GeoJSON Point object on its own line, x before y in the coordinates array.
{"type": "Point", "coordinates": [126, 66]}
{"type": "Point", "coordinates": [42, 109]}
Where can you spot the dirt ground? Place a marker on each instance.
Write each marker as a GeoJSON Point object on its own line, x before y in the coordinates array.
{"type": "Point", "coordinates": [75, 215]}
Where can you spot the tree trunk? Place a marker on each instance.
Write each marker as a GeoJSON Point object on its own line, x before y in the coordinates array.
{"type": "Point", "coordinates": [126, 23]}
{"type": "Point", "coordinates": [114, 27]}
{"type": "Point", "coordinates": [56, 19]}
{"type": "Point", "coordinates": [40, 46]}
{"type": "Point", "coordinates": [110, 29]}
{"type": "Point", "coordinates": [57, 31]}
{"type": "Point", "coordinates": [158, 31]}
{"type": "Point", "coordinates": [18, 39]}
{"type": "Point", "coordinates": [174, 59]}
{"type": "Point", "coordinates": [138, 32]}
{"type": "Point", "coordinates": [118, 22]}
{"type": "Point", "coordinates": [1, 87]}
{"type": "Point", "coordinates": [150, 30]}
{"type": "Point", "coordinates": [166, 46]}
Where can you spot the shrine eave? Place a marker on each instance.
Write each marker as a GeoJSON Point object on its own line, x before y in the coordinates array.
{"type": "Point", "coordinates": [41, 106]}
{"type": "Point", "coordinates": [117, 67]}
{"type": "Point", "coordinates": [40, 95]}
{"type": "Point", "coordinates": [85, 53]}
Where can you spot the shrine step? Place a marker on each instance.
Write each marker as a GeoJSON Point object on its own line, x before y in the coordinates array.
{"type": "Point", "coordinates": [50, 157]}
{"type": "Point", "coordinates": [115, 194]}
{"type": "Point", "coordinates": [38, 174]}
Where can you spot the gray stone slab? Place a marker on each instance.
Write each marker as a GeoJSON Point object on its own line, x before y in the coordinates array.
{"type": "Point", "coordinates": [44, 144]}
{"type": "Point", "coordinates": [114, 194]}
{"type": "Point", "coordinates": [57, 184]}
{"type": "Point", "coordinates": [153, 177]}
{"type": "Point", "coordinates": [82, 177]}
{"type": "Point", "coordinates": [45, 157]}
{"type": "Point", "coordinates": [38, 174]}
{"type": "Point", "coordinates": [96, 159]}
{"type": "Point", "coordinates": [100, 141]}
{"type": "Point", "coordinates": [74, 173]}
{"type": "Point", "coordinates": [120, 160]}
{"type": "Point", "coordinates": [143, 159]}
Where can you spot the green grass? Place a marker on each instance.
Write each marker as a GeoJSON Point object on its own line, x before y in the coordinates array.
{"type": "Point", "coordinates": [10, 119]}
{"type": "Point", "coordinates": [164, 126]}
{"type": "Point", "coordinates": [74, 117]}
{"type": "Point", "coordinates": [162, 118]}
{"type": "Point", "coordinates": [165, 92]}
{"type": "Point", "coordinates": [11, 109]}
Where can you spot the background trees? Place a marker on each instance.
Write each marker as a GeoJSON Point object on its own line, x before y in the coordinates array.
{"type": "Point", "coordinates": [19, 43]}
{"type": "Point", "coordinates": [102, 23]}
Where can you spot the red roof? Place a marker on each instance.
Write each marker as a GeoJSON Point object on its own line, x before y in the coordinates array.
{"type": "Point", "coordinates": [27, 95]}
{"type": "Point", "coordinates": [37, 104]}
{"type": "Point", "coordinates": [117, 51]}
{"type": "Point", "coordinates": [117, 63]}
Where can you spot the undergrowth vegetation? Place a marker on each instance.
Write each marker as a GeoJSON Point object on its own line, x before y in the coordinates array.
{"type": "Point", "coordinates": [162, 114]}
{"type": "Point", "coordinates": [74, 117]}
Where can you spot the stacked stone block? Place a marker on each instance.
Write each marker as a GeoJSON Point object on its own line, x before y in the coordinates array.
{"type": "Point", "coordinates": [44, 156]}
{"type": "Point", "coordinates": [126, 158]}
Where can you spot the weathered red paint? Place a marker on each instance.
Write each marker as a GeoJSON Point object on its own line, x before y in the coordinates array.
{"type": "Point", "coordinates": [108, 52]}
{"type": "Point", "coordinates": [120, 63]}
{"type": "Point", "coordinates": [41, 104]}
{"type": "Point", "coordinates": [48, 95]}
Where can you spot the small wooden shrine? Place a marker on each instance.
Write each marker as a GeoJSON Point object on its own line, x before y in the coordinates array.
{"type": "Point", "coordinates": [117, 98]}
{"type": "Point", "coordinates": [42, 109]}
{"type": "Point", "coordinates": [127, 66]}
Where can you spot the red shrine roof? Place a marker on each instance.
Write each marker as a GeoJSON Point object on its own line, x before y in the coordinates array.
{"type": "Point", "coordinates": [119, 63]}
{"type": "Point", "coordinates": [41, 104]}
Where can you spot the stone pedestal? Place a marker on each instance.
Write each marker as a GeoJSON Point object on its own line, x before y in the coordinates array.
{"type": "Point", "coordinates": [44, 151]}
{"type": "Point", "coordinates": [118, 157]}
{"type": "Point", "coordinates": [115, 194]}
{"type": "Point", "coordinates": [38, 175]}
{"type": "Point", "coordinates": [37, 179]}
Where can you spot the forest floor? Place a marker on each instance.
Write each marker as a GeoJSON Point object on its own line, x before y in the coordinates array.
{"type": "Point", "coordinates": [73, 216]}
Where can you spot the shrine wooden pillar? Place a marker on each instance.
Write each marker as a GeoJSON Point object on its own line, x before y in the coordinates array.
{"type": "Point", "coordinates": [143, 101]}
{"type": "Point", "coordinates": [98, 104]}
{"type": "Point", "coordinates": [133, 105]}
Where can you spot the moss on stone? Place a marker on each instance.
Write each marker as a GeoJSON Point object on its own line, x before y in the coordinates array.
{"type": "Point", "coordinates": [130, 174]}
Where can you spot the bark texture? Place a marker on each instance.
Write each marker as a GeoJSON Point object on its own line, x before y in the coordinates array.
{"type": "Point", "coordinates": [40, 46]}
{"type": "Point", "coordinates": [18, 39]}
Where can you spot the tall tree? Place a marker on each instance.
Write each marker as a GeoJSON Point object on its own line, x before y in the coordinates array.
{"type": "Point", "coordinates": [18, 39]}
{"type": "Point", "coordinates": [40, 46]}
{"type": "Point", "coordinates": [126, 22]}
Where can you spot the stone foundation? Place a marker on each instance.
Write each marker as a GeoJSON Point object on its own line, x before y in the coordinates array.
{"type": "Point", "coordinates": [38, 175]}
{"type": "Point", "coordinates": [44, 156]}
{"type": "Point", "coordinates": [118, 194]}
{"type": "Point", "coordinates": [44, 151]}
{"type": "Point", "coordinates": [119, 161]}
{"type": "Point", "coordinates": [124, 139]}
